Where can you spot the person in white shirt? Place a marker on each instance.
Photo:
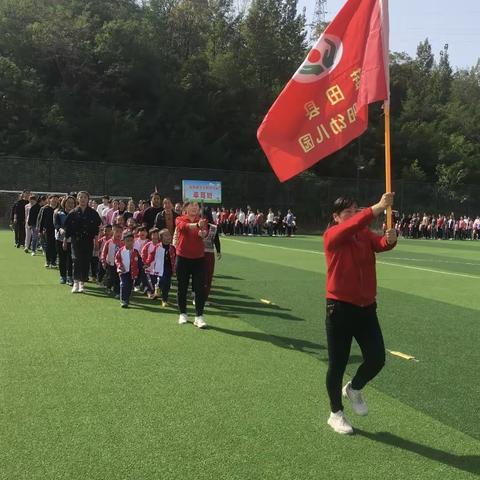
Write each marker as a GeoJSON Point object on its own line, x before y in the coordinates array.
{"type": "Point", "coordinates": [270, 218]}
{"type": "Point", "coordinates": [104, 205]}
{"type": "Point", "coordinates": [240, 223]}
{"type": "Point", "coordinates": [251, 222]}
{"type": "Point", "coordinates": [476, 229]}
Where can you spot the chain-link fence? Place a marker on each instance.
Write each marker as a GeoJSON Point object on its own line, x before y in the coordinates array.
{"type": "Point", "coordinates": [309, 197]}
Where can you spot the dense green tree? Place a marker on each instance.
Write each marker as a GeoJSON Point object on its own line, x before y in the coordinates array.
{"type": "Point", "coordinates": [187, 82]}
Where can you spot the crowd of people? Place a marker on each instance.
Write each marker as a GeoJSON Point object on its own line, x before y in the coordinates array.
{"type": "Point", "coordinates": [124, 246]}
{"type": "Point", "coordinates": [438, 227]}
{"type": "Point", "coordinates": [240, 222]}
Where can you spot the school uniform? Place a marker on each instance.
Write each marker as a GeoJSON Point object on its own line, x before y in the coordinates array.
{"type": "Point", "coordinates": [129, 267]}
{"type": "Point", "coordinates": [162, 263]}
{"type": "Point", "coordinates": [109, 251]}
{"type": "Point", "coordinates": [138, 245]}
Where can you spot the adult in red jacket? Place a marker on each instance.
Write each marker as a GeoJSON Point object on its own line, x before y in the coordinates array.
{"type": "Point", "coordinates": [350, 249]}
{"type": "Point", "coordinates": [190, 231]}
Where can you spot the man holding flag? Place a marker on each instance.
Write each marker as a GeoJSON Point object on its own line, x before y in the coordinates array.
{"type": "Point", "coordinates": [323, 108]}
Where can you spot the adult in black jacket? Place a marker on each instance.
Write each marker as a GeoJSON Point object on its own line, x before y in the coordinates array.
{"type": "Point", "coordinates": [47, 230]}
{"type": "Point", "coordinates": [81, 226]}
{"type": "Point", "coordinates": [166, 218]}
{"type": "Point", "coordinates": [33, 221]}
{"type": "Point", "coordinates": [17, 218]}
{"type": "Point", "coordinates": [150, 214]}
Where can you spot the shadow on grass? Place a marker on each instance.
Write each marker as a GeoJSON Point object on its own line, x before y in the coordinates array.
{"type": "Point", "coordinates": [228, 277]}
{"type": "Point", "coordinates": [283, 342]}
{"type": "Point", "coordinates": [467, 463]}
{"type": "Point", "coordinates": [304, 346]}
{"type": "Point", "coordinates": [249, 308]}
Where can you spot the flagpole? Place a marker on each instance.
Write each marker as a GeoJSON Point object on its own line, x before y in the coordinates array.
{"type": "Point", "coordinates": [386, 104]}
{"type": "Point", "coordinates": [388, 159]}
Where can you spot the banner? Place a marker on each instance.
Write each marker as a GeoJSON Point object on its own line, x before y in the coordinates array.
{"type": "Point", "coordinates": [202, 191]}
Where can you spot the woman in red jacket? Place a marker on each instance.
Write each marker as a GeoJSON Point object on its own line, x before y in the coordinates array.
{"type": "Point", "coordinates": [350, 249]}
{"type": "Point", "coordinates": [190, 232]}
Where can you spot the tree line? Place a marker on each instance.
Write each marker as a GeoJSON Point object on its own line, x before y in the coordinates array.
{"type": "Point", "coordinates": [187, 82]}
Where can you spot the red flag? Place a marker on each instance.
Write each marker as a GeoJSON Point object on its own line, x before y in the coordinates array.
{"type": "Point", "coordinates": [325, 104]}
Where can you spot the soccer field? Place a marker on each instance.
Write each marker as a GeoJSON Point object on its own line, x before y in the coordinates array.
{"type": "Point", "coordinates": [92, 391]}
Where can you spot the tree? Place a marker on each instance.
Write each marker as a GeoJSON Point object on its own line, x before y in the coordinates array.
{"type": "Point", "coordinates": [450, 180]}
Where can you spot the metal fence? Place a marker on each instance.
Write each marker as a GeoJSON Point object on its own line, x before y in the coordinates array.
{"type": "Point", "coordinates": [309, 197]}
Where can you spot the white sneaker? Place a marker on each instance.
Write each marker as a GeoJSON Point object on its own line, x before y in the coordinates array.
{"type": "Point", "coordinates": [359, 405]}
{"type": "Point", "coordinates": [339, 423]}
{"type": "Point", "coordinates": [182, 319]}
{"type": "Point", "coordinates": [81, 288]}
{"type": "Point", "coordinates": [75, 287]}
{"type": "Point", "coordinates": [200, 322]}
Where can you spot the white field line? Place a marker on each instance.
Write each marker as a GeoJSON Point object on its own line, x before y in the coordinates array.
{"type": "Point", "coordinates": [434, 261]}
{"type": "Point", "coordinates": [409, 267]}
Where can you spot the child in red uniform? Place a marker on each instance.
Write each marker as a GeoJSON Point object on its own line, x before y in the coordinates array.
{"type": "Point", "coordinates": [149, 261]}
{"type": "Point", "coordinates": [129, 267]}
{"type": "Point", "coordinates": [162, 256]}
{"type": "Point", "coordinates": [110, 249]}
{"type": "Point", "coordinates": [141, 239]}
{"type": "Point", "coordinates": [102, 239]}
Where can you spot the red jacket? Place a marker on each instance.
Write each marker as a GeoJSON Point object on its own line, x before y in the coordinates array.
{"type": "Point", "coordinates": [151, 255]}
{"type": "Point", "coordinates": [189, 243]}
{"type": "Point", "coordinates": [350, 254]}
{"type": "Point", "coordinates": [106, 247]}
{"type": "Point", "coordinates": [135, 262]}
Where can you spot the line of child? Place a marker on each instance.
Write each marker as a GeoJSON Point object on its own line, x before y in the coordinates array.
{"type": "Point", "coordinates": [124, 256]}
{"type": "Point", "coordinates": [136, 260]}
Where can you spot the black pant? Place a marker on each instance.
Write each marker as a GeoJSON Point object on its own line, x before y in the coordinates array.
{"type": "Point", "coordinates": [101, 273]}
{"type": "Point", "coordinates": [94, 266]}
{"type": "Point", "coordinates": [82, 249]}
{"type": "Point", "coordinates": [20, 233]}
{"type": "Point", "coordinates": [51, 248]}
{"type": "Point", "coordinates": [195, 268]}
{"type": "Point", "coordinates": [64, 259]}
{"type": "Point", "coordinates": [112, 280]}
{"type": "Point", "coordinates": [344, 322]}
{"type": "Point", "coordinates": [126, 285]}
{"type": "Point", "coordinates": [165, 283]}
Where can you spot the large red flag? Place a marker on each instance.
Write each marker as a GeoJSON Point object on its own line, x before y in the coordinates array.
{"type": "Point", "coordinates": [325, 104]}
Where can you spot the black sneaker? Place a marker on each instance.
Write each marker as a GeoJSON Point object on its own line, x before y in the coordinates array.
{"type": "Point", "coordinates": [124, 305]}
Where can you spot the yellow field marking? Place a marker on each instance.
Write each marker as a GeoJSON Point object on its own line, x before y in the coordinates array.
{"type": "Point", "coordinates": [403, 355]}
{"type": "Point", "coordinates": [267, 302]}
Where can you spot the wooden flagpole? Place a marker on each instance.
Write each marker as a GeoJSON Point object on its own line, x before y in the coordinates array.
{"type": "Point", "coordinates": [386, 105]}
{"type": "Point", "coordinates": [388, 160]}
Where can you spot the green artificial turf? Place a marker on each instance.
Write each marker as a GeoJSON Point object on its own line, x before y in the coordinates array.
{"type": "Point", "coordinates": [91, 391]}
